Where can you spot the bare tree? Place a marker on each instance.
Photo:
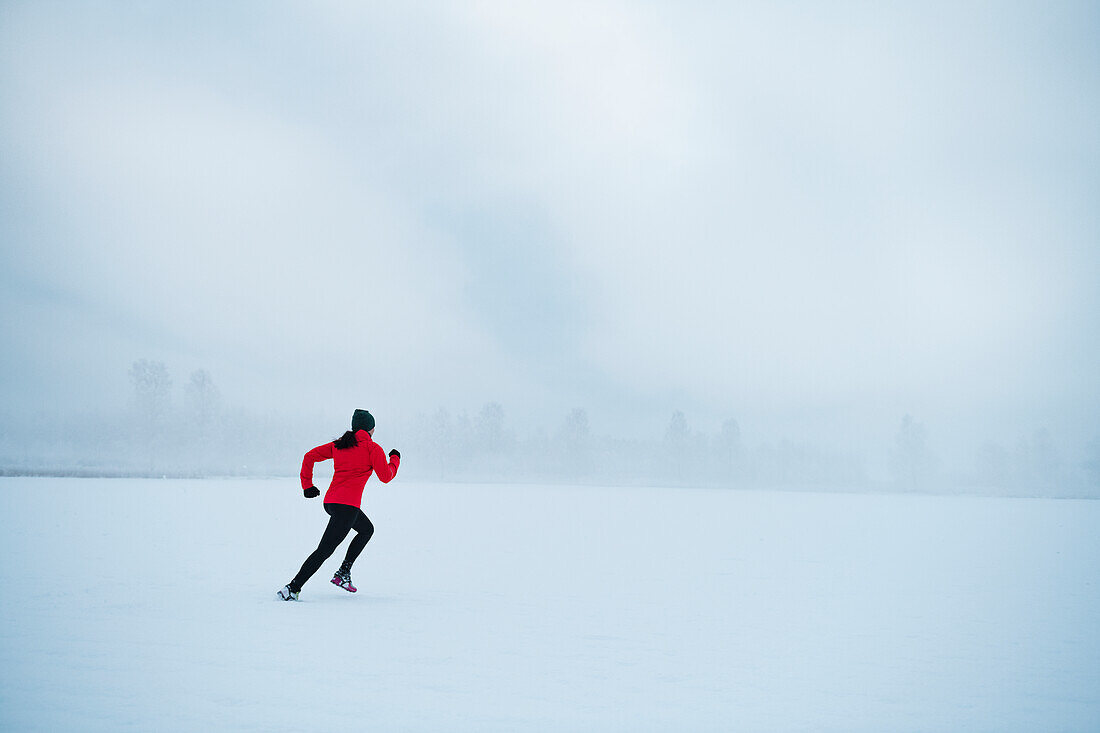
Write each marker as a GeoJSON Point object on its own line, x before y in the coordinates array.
{"type": "Point", "coordinates": [489, 428]}
{"type": "Point", "coordinates": [575, 440]}
{"type": "Point", "coordinates": [575, 431]}
{"type": "Point", "coordinates": [678, 432]}
{"type": "Point", "coordinates": [152, 390]}
{"type": "Point", "coordinates": [913, 461]}
{"type": "Point", "coordinates": [729, 440]}
{"type": "Point", "coordinates": [203, 398]}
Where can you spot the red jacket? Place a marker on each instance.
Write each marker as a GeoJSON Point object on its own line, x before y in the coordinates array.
{"type": "Point", "coordinates": [353, 466]}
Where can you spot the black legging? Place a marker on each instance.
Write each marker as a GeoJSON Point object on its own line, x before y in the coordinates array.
{"type": "Point", "coordinates": [343, 519]}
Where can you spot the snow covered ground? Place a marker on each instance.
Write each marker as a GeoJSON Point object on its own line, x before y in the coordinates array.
{"type": "Point", "coordinates": [138, 605]}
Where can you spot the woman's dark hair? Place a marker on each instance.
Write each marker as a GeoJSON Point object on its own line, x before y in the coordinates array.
{"type": "Point", "coordinates": [347, 440]}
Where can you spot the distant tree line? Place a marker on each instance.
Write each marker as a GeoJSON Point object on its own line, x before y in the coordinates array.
{"type": "Point", "coordinates": [161, 431]}
{"type": "Point", "coordinates": [458, 447]}
{"type": "Point", "coordinates": [483, 447]}
{"type": "Point", "coordinates": [192, 431]}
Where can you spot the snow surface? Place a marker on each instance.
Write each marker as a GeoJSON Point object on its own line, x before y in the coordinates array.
{"type": "Point", "coordinates": [138, 605]}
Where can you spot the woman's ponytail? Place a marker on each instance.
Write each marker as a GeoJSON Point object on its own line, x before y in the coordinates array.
{"type": "Point", "coordinates": [345, 441]}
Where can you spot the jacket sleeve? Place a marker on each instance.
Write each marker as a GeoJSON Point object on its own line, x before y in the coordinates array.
{"type": "Point", "coordinates": [383, 469]}
{"type": "Point", "coordinates": [320, 453]}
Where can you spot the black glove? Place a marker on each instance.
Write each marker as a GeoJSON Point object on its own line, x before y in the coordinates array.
{"type": "Point", "coordinates": [311, 492]}
{"type": "Point", "coordinates": [395, 452]}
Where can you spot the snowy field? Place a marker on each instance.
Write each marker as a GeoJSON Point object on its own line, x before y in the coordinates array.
{"type": "Point", "coordinates": [141, 605]}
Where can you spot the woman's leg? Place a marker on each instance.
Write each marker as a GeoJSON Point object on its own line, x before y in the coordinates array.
{"type": "Point", "coordinates": [341, 519]}
{"type": "Point", "coordinates": [364, 530]}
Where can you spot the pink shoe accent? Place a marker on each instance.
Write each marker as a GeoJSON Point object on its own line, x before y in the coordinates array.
{"type": "Point", "coordinates": [346, 586]}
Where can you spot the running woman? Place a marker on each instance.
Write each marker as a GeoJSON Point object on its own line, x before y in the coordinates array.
{"type": "Point", "coordinates": [355, 457]}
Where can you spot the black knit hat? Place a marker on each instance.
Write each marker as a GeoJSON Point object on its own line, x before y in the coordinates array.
{"type": "Point", "coordinates": [362, 420]}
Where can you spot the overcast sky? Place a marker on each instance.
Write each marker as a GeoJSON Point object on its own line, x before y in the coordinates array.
{"type": "Point", "coordinates": [814, 217]}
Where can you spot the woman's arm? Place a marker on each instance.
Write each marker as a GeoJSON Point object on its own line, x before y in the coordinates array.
{"type": "Point", "coordinates": [320, 453]}
{"type": "Point", "coordinates": [383, 469]}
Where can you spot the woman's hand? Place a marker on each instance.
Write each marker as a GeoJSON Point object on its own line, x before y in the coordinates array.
{"type": "Point", "coordinates": [311, 492]}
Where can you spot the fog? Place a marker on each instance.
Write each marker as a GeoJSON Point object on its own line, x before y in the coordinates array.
{"type": "Point", "coordinates": [854, 245]}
